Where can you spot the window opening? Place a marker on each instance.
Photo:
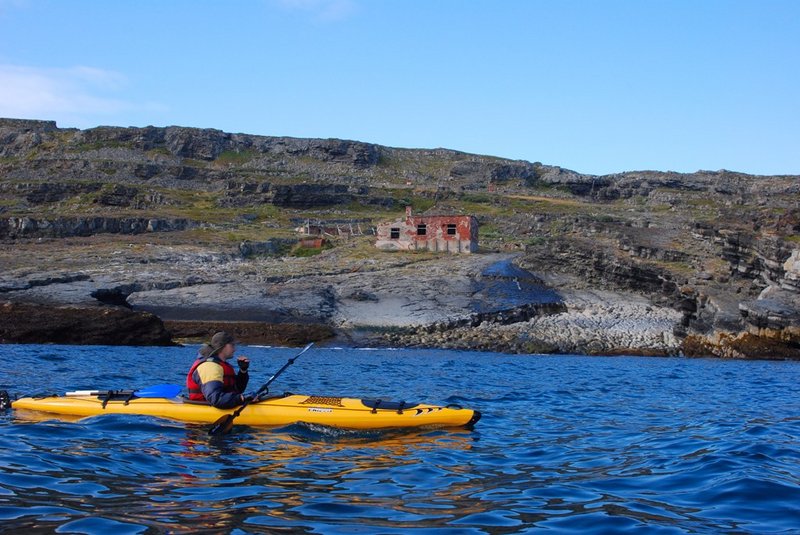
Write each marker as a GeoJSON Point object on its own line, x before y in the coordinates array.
{"type": "Point", "coordinates": [394, 233]}
{"type": "Point", "coordinates": [451, 229]}
{"type": "Point", "coordinates": [422, 229]}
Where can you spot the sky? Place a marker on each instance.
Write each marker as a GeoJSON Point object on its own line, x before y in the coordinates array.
{"type": "Point", "coordinates": [596, 86]}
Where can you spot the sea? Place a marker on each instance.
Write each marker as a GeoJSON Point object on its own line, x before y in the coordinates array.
{"type": "Point", "coordinates": [566, 444]}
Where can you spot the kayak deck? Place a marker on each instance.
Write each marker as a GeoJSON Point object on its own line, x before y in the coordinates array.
{"type": "Point", "coordinates": [347, 413]}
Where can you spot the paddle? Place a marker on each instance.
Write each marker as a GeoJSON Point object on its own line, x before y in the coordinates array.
{"type": "Point", "coordinates": [224, 424]}
{"type": "Point", "coordinates": [155, 391]}
{"type": "Point", "coordinates": [159, 391]}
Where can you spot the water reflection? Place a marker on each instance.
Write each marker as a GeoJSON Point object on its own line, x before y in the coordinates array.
{"type": "Point", "coordinates": [302, 474]}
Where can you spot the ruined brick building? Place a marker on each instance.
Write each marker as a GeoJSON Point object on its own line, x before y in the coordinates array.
{"type": "Point", "coordinates": [447, 233]}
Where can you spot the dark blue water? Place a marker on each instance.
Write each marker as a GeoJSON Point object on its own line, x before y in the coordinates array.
{"type": "Point", "coordinates": [566, 444]}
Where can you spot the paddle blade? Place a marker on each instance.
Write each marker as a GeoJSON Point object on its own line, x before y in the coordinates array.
{"type": "Point", "coordinates": [222, 426]}
{"type": "Point", "coordinates": [159, 391]}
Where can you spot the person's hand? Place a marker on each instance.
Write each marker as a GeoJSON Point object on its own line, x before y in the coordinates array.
{"type": "Point", "coordinates": [247, 398]}
{"type": "Point", "coordinates": [243, 363]}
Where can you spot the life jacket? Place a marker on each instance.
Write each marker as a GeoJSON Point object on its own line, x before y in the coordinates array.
{"type": "Point", "coordinates": [228, 378]}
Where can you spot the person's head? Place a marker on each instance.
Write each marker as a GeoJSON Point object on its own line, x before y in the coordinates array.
{"type": "Point", "coordinates": [223, 345]}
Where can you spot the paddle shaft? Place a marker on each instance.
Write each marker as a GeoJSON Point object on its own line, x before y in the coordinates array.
{"type": "Point", "coordinates": [226, 421]}
{"type": "Point", "coordinates": [288, 363]}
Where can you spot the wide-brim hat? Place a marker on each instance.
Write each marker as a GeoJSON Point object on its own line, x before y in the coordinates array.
{"type": "Point", "coordinates": [218, 341]}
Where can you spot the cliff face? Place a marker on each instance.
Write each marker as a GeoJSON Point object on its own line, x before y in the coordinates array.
{"type": "Point", "coordinates": [719, 249]}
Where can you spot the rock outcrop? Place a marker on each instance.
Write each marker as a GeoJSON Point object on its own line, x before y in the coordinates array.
{"type": "Point", "coordinates": [46, 324]}
{"type": "Point", "coordinates": [64, 227]}
{"type": "Point", "coordinates": [653, 262]}
{"type": "Point", "coordinates": [252, 332]}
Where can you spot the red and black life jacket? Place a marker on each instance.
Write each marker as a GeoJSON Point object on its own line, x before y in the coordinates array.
{"type": "Point", "coordinates": [228, 378]}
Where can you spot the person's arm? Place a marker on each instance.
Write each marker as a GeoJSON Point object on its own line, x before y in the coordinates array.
{"type": "Point", "coordinates": [242, 377]}
{"type": "Point", "coordinates": [210, 378]}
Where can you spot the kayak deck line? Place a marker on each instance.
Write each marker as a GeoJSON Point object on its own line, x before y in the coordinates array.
{"type": "Point", "coordinates": [283, 409]}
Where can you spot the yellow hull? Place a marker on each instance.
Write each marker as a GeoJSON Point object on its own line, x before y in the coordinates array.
{"type": "Point", "coordinates": [346, 413]}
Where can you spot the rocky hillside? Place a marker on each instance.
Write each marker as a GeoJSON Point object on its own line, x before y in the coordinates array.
{"type": "Point", "coordinates": [196, 227]}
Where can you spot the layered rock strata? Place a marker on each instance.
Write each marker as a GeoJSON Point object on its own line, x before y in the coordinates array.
{"type": "Point", "coordinates": [703, 263]}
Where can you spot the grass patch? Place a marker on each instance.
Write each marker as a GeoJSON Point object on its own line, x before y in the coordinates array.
{"type": "Point", "coordinates": [234, 158]}
{"type": "Point", "coordinates": [367, 210]}
{"type": "Point", "coordinates": [536, 241]}
{"type": "Point", "coordinates": [268, 212]}
{"type": "Point", "coordinates": [305, 252]}
{"type": "Point", "coordinates": [159, 151]}
{"type": "Point", "coordinates": [479, 198]}
{"type": "Point", "coordinates": [490, 232]}
{"type": "Point", "coordinates": [519, 205]}
{"type": "Point", "coordinates": [419, 204]}
{"type": "Point", "coordinates": [204, 210]}
{"type": "Point", "coordinates": [680, 268]}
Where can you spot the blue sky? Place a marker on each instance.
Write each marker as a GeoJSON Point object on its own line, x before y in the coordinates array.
{"type": "Point", "coordinates": [594, 86]}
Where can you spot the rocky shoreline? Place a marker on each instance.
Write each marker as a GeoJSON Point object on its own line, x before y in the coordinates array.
{"type": "Point", "coordinates": [157, 235]}
{"type": "Point", "coordinates": [481, 302]}
{"type": "Point", "coordinates": [593, 323]}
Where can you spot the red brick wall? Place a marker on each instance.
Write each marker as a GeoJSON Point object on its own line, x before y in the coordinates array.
{"type": "Point", "coordinates": [436, 237]}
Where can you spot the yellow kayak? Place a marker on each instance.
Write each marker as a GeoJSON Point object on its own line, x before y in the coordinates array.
{"type": "Point", "coordinates": [346, 413]}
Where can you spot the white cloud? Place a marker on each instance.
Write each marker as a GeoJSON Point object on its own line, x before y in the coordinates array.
{"type": "Point", "coordinates": [35, 92]}
{"type": "Point", "coordinates": [324, 10]}
{"type": "Point", "coordinates": [80, 94]}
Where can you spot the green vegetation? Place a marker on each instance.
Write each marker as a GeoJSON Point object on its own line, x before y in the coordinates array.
{"type": "Point", "coordinates": [97, 145]}
{"type": "Point", "coordinates": [660, 208]}
{"type": "Point", "coordinates": [202, 209]}
{"type": "Point", "coordinates": [519, 205]}
{"type": "Point", "coordinates": [490, 232]}
{"type": "Point", "coordinates": [420, 205]}
{"type": "Point", "coordinates": [536, 241]}
{"type": "Point", "coordinates": [158, 151]}
{"type": "Point", "coordinates": [680, 268]}
{"type": "Point", "coordinates": [191, 162]}
{"type": "Point", "coordinates": [510, 214]}
{"type": "Point", "coordinates": [359, 247]}
{"type": "Point", "coordinates": [267, 212]}
{"type": "Point", "coordinates": [366, 210]}
{"type": "Point", "coordinates": [603, 218]}
{"type": "Point", "coordinates": [305, 252]}
{"type": "Point", "coordinates": [6, 204]}
{"type": "Point", "coordinates": [479, 198]}
{"type": "Point", "coordinates": [233, 158]}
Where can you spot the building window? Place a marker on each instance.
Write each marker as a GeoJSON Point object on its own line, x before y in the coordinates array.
{"type": "Point", "coordinates": [394, 233]}
{"type": "Point", "coordinates": [422, 229]}
{"type": "Point", "coordinates": [451, 229]}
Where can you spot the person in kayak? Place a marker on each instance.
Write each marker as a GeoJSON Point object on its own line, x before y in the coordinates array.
{"type": "Point", "coordinates": [211, 378]}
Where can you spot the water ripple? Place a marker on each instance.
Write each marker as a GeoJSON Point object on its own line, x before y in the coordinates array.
{"type": "Point", "coordinates": [568, 444]}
